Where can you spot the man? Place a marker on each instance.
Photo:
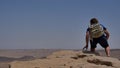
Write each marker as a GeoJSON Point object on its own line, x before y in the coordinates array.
{"type": "Point", "coordinates": [97, 33]}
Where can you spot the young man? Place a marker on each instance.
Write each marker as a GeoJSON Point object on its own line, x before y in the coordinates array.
{"type": "Point", "coordinates": [97, 33]}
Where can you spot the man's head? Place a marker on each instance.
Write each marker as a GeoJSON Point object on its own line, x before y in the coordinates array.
{"type": "Point", "coordinates": [93, 21]}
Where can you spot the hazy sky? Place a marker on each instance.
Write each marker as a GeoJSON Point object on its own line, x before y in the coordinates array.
{"type": "Point", "coordinates": [28, 24]}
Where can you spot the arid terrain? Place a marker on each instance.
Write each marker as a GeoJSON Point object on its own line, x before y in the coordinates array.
{"type": "Point", "coordinates": [14, 57]}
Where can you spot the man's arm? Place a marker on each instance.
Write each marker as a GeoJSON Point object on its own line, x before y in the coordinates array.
{"type": "Point", "coordinates": [107, 34]}
{"type": "Point", "coordinates": [87, 40]}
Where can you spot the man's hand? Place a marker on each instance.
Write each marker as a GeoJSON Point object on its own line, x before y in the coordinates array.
{"type": "Point", "coordinates": [86, 47]}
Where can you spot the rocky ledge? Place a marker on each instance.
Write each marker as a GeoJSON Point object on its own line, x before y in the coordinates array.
{"type": "Point", "coordinates": [69, 59]}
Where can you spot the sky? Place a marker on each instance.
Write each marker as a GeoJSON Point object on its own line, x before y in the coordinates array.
{"type": "Point", "coordinates": [55, 24]}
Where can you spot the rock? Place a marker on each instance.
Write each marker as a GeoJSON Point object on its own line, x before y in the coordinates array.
{"type": "Point", "coordinates": [69, 59]}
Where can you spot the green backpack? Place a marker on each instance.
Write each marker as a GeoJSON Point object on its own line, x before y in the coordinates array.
{"type": "Point", "coordinates": [96, 30]}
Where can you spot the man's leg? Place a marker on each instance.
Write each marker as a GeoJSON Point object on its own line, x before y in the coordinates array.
{"type": "Point", "coordinates": [104, 43]}
{"type": "Point", "coordinates": [107, 50]}
{"type": "Point", "coordinates": [92, 50]}
{"type": "Point", "coordinates": [93, 45]}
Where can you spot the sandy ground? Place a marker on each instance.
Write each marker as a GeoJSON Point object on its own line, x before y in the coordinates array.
{"type": "Point", "coordinates": [10, 55]}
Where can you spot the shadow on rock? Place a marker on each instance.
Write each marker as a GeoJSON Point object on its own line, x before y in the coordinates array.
{"type": "Point", "coordinates": [99, 62]}
{"type": "Point", "coordinates": [89, 52]}
{"type": "Point", "coordinates": [79, 56]}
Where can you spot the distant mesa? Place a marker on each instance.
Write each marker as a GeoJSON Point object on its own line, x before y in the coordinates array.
{"type": "Point", "coordinates": [9, 59]}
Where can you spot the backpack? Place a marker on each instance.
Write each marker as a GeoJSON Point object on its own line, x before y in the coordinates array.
{"type": "Point", "coordinates": [96, 30]}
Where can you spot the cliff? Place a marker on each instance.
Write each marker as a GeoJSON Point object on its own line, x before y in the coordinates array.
{"type": "Point", "coordinates": [69, 59]}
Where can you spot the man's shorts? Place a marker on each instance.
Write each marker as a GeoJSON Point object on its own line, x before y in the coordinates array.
{"type": "Point", "coordinates": [101, 40]}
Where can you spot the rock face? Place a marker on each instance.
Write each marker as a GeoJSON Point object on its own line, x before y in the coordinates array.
{"type": "Point", "coordinates": [69, 59]}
